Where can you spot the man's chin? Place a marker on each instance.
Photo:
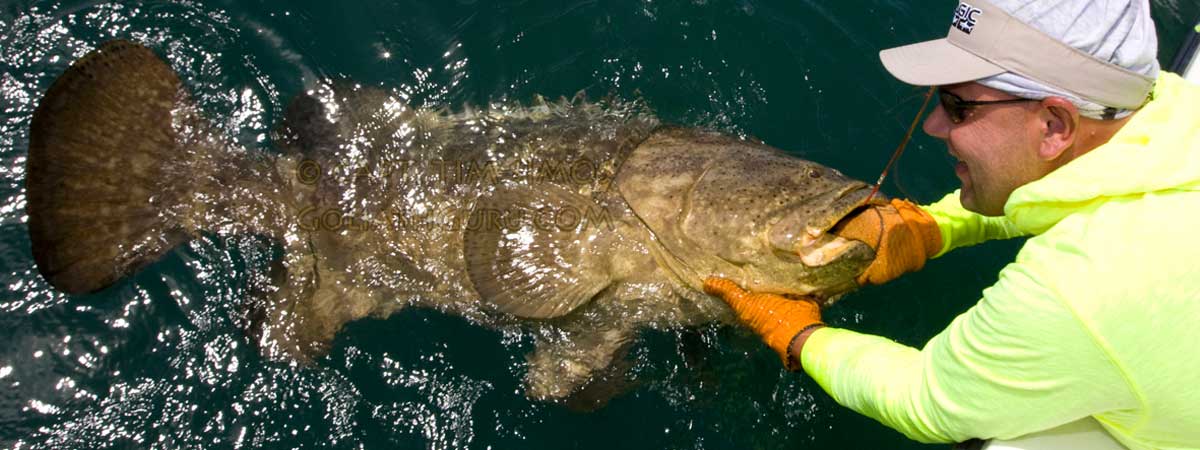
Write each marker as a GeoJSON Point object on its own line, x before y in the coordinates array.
{"type": "Point", "coordinates": [970, 203]}
{"type": "Point", "coordinates": [967, 200]}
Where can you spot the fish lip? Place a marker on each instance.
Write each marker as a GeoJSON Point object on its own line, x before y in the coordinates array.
{"type": "Point", "coordinates": [858, 189]}
{"type": "Point", "coordinates": [814, 243]}
{"type": "Point", "coordinates": [861, 191]}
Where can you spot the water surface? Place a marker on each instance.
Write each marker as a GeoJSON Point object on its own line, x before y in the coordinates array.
{"type": "Point", "coordinates": [157, 361]}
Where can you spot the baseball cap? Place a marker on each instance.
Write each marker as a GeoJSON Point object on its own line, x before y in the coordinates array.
{"type": "Point", "coordinates": [1098, 52]}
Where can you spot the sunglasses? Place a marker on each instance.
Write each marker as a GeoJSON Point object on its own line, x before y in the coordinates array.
{"type": "Point", "coordinates": [956, 108]}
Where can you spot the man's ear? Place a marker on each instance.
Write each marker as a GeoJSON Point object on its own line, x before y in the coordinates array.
{"type": "Point", "coordinates": [1060, 127]}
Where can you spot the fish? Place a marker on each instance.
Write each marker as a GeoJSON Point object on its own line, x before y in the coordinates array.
{"type": "Point", "coordinates": [579, 222]}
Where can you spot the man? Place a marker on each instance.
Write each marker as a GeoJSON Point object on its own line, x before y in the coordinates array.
{"type": "Point", "coordinates": [1065, 130]}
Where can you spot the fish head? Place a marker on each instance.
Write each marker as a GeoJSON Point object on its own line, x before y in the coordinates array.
{"type": "Point", "coordinates": [739, 209]}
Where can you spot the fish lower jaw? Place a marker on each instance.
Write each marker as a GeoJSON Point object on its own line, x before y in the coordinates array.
{"type": "Point", "coordinates": [811, 234]}
{"type": "Point", "coordinates": [819, 252]}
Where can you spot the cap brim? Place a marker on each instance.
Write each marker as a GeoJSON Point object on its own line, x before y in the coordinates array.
{"type": "Point", "coordinates": [936, 63]}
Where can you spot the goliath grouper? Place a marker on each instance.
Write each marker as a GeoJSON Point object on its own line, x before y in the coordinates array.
{"type": "Point", "coordinates": [580, 221]}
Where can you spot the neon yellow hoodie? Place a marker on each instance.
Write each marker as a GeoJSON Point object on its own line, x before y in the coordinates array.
{"type": "Point", "coordinates": [1099, 315]}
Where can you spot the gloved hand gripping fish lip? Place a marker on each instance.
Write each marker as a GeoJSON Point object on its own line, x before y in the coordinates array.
{"type": "Point", "coordinates": [123, 167]}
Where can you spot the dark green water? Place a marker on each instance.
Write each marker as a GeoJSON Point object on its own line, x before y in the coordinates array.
{"type": "Point", "coordinates": [157, 361]}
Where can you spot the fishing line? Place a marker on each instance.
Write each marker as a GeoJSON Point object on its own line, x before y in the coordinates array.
{"type": "Point", "coordinates": [903, 143]}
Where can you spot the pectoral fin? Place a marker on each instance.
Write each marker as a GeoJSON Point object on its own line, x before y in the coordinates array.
{"type": "Point", "coordinates": [537, 251]}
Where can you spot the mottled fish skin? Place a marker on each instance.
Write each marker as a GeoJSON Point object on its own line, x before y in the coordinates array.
{"type": "Point", "coordinates": [382, 196]}
{"type": "Point", "coordinates": [683, 204]}
{"type": "Point", "coordinates": [404, 184]}
{"type": "Point", "coordinates": [579, 222]}
{"type": "Point", "coordinates": [743, 210]}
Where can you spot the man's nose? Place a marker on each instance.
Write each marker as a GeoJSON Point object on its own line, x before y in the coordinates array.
{"type": "Point", "coordinates": [938, 123]}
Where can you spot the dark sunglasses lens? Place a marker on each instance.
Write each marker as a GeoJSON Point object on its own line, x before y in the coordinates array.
{"type": "Point", "coordinates": [950, 104]}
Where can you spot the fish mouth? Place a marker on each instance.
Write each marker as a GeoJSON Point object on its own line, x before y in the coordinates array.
{"type": "Point", "coordinates": [817, 246]}
{"type": "Point", "coordinates": [849, 200]}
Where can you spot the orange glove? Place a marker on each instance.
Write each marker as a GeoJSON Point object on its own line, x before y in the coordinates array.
{"type": "Point", "coordinates": [775, 318]}
{"type": "Point", "coordinates": [903, 235]}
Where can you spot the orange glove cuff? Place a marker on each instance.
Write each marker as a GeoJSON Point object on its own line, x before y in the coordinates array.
{"type": "Point", "coordinates": [777, 319]}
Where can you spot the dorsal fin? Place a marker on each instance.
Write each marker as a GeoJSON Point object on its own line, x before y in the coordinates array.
{"type": "Point", "coordinates": [306, 128]}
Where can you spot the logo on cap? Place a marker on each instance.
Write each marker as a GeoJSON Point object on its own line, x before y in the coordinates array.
{"type": "Point", "coordinates": [965, 16]}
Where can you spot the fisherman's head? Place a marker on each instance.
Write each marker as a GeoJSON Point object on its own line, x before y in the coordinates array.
{"type": "Point", "coordinates": [1063, 75]}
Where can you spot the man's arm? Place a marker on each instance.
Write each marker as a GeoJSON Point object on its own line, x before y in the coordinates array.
{"type": "Point", "coordinates": [962, 228]}
{"type": "Point", "coordinates": [1020, 361]}
{"type": "Point", "coordinates": [905, 235]}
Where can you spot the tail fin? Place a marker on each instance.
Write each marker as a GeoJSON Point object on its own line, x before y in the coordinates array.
{"type": "Point", "coordinates": [102, 198]}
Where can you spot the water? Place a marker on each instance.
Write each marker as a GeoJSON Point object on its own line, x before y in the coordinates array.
{"type": "Point", "coordinates": [158, 361]}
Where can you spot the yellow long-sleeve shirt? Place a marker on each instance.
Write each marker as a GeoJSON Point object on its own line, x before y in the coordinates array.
{"type": "Point", "coordinates": [1098, 316]}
